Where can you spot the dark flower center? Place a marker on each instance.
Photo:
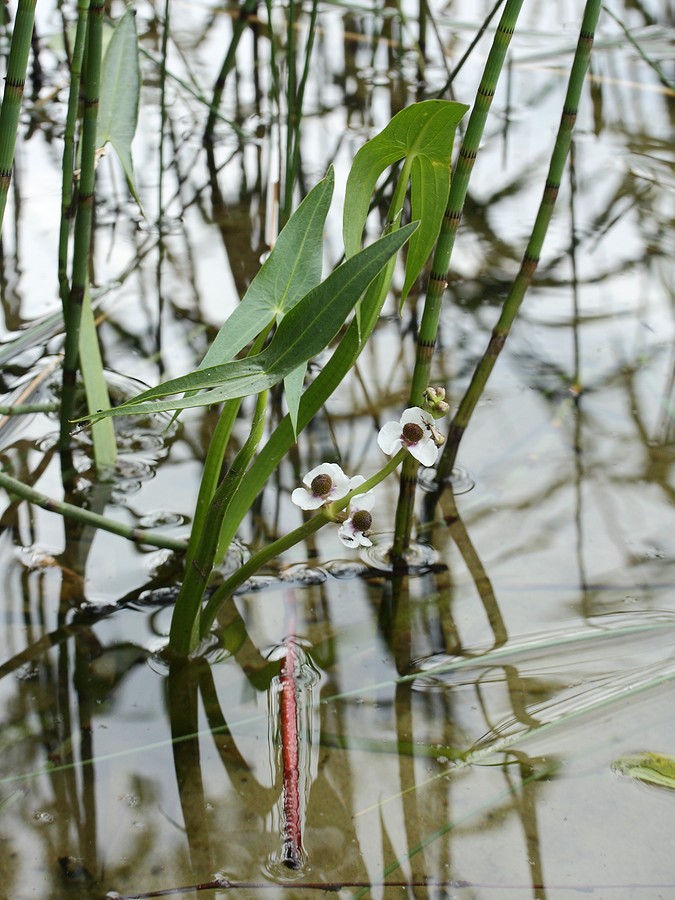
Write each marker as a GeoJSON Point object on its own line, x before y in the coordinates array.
{"type": "Point", "coordinates": [412, 433]}
{"type": "Point", "coordinates": [362, 520]}
{"type": "Point", "coordinates": [321, 485]}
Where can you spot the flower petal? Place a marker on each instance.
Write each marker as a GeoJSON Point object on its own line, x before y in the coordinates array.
{"type": "Point", "coordinates": [389, 438]}
{"type": "Point", "coordinates": [305, 499]}
{"type": "Point", "coordinates": [425, 451]}
{"type": "Point", "coordinates": [352, 537]}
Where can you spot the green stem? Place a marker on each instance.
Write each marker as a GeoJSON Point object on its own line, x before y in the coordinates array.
{"type": "Point", "coordinates": [11, 101]}
{"type": "Point", "coordinates": [213, 465]}
{"type": "Point", "coordinates": [69, 148]}
{"type": "Point", "coordinates": [259, 559]}
{"type": "Point", "coordinates": [138, 535]}
{"type": "Point", "coordinates": [428, 331]}
{"type": "Point", "coordinates": [295, 120]}
{"type": "Point", "coordinates": [83, 221]}
{"type": "Point", "coordinates": [185, 623]}
{"type": "Point", "coordinates": [24, 409]}
{"type": "Point", "coordinates": [531, 257]}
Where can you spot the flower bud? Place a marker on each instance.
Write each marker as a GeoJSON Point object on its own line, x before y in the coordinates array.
{"type": "Point", "coordinates": [435, 403]}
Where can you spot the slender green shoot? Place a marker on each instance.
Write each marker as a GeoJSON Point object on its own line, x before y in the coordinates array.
{"type": "Point", "coordinates": [13, 95]}
{"type": "Point", "coordinates": [530, 260]}
{"type": "Point", "coordinates": [426, 341]}
{"type": "Point", "coordinates": [83, 221]}
{"type": "Point", "coordinates": [69, 511]}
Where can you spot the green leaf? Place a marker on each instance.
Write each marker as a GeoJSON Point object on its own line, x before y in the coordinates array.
{"type": "Point", "coordinates": [652, 768]}
{"type": "Point", "coordinates": [120, 93]}
{"type": "Point", "coordinates": [422, 135]}
{"type": "Point", "coordinates": [293, 384]}
{"type": "Point", "coordinates": [96, 389]}
{"type": "Point", "coordinates": [291, 270]}
{"type": "Point", "coordinates": [304, 331]}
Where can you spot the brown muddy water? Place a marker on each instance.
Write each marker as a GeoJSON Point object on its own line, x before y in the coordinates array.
{"type": "Point", "coordinates": [459, 725]}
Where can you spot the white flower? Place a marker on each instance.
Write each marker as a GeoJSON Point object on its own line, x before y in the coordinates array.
{"type": "Point", "coordinates": [353, 532]}
{"type": "Point", "coordinates": [416, 431]}
{"type": "Point", "coordinates": [324, 484]}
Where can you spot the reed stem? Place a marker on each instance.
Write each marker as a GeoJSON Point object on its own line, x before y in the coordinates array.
{"type": "Point", "coordinates": [67, 178]}
{"type": "Point", "coordinates": [83, 221]}
{"type": "Point", "coordinates": [531, 257]}
{"type": "Point", "coordinates": [426, 340]}
{"type": "Point", "coordinates": [13, 95]}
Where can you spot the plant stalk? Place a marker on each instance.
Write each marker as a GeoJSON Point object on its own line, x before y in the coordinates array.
{"type": "Point", "coordinates": [185, 624]}
{"type": "Point", "coordinates": [83, 220]}
{"type": "Point", "coordinates": [276, 548]}
{"type": "Point", "coordinates": [531, 257]}
{"type": "Point", "coordinates": [13, 95]}
{"type": "Point", "coordinates": [86, 517]}
{"type": "Point", "coordinates": [428, 331]}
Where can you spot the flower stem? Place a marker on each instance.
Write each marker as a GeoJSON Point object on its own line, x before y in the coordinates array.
{"type": "Point", "coordinates": [227, 589]}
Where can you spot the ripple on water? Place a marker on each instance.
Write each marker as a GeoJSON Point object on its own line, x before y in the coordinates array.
{"type": "Point", "coordinates": [418, 557]}
{"type": "Point", "coordinates": [459, 480]}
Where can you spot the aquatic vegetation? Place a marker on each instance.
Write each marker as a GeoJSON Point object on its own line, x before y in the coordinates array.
{"type": "Point", "coordinates": [241, 651]}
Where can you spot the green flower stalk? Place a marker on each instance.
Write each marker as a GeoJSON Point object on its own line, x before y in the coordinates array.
{"type": "Point", "coordinates": [328, 514]}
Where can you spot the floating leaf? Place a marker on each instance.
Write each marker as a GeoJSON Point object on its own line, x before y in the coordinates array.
{"type": "Point", "coordinates": [422, 135]}
{"type": "Point", "coordinates": [119, 95]}
{"type": "Point", "coordinates": [652, 768]}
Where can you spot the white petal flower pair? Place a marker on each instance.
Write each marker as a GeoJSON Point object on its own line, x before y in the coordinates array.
{"type": "Point", "coordinates": [416, 431]}
{"type": "Point", "coordinates": [327, 483]}
{"type": "Point", "coordinates": [323, 485]}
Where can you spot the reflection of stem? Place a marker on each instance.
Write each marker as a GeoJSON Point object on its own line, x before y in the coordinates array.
{"type": "Point", "coordinates": [290, 757]}
{"type": "Point", "coordinates": [183, 684]}
{"type": "Point", "coordinates": [532, 252]}
{"type": "Point", "coordinates": [472, 560]}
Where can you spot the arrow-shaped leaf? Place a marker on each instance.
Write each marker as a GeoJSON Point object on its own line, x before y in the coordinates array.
{"type": "Point", "coordinates": [291, 270]}
{"type": "Point", "coordinates": [423, 135]}
{"type": "Point", "coordinates": [303, 332]}
{"type": "Point", "coordinates": [120, 93]}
